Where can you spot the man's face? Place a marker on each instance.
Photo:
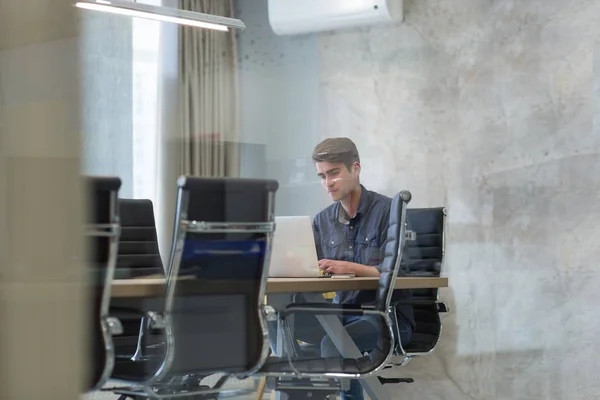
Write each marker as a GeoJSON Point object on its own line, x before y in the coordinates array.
{"type": "Point", "coordinates": [336, 178]}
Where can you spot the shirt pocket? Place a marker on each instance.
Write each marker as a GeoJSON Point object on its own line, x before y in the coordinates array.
{"type": "Point", "coordinates": [370, 249]}
{"type": "Point", "coordinates": [333, 246]}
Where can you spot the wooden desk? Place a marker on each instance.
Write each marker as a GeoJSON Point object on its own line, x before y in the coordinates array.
{"type": "Point", "coordinates": [153, 287]}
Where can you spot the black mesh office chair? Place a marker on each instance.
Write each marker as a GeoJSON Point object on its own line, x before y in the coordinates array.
{"type": "Point", "coordinates": [345, 367]}
{"type": "Point", "coordinates": [138, 256]}
{"type": "Point", "coordinates": [213, 314]}
{"type": "Point", "coordinates": [425, 257]}
{"type": "Point", "coordinates": [138, 247]}
{"type": "Point", "coordinates": [103, 233]}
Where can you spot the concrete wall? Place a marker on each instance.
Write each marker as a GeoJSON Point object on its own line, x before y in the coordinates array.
{"type": "Point", "coordinates": [279, 104]}
{"type": "Point", "coordinates": [491, 109]}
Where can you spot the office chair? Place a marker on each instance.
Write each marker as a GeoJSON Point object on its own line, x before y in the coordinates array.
{"type": "Point", "coordinates": [425, 257]}
{"type": "Point", "coordinates": [103, 231]}
{"type": "Point", "coordinates": [138, 247]}
{"type": "Point", "coordinates": [303, 367]}
{"type": "Point", "coordinates": [213, 314]}
{"type": "Point", "coordinates": [138, 256]}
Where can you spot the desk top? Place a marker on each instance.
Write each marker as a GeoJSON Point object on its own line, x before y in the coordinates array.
{"type": "Point", "coordinates": [152, 287]}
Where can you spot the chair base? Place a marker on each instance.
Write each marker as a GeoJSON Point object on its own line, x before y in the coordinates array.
{"type": "Point", "coordinates": [201, 393]}
{"type": "Point", "coordinates": [302, 389]}
{"type": "Point", "coordinates": [387, 381]}
{"type": "Point", "coordinates": [187, 387]}
{"type": "Point", "coordinates": [396, 364]}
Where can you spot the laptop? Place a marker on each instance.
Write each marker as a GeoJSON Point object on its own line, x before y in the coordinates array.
{"type": "Point", "coordinates": [293, 252]}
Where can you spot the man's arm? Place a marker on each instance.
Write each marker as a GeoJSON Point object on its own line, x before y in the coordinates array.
{"type": "Point", "coordinates": [383, 234]}
{"type": "Point", "coordinates": [359, 270]}
{"type": "Point", "coordinates": [347, 267]}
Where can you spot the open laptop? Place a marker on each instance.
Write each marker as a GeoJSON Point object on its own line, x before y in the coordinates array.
{"type": "Point", "coordinates": [293, 253]}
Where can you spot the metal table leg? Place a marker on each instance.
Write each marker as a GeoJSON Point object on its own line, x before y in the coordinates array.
{"type": "Point", "coordinates": [279, 302]}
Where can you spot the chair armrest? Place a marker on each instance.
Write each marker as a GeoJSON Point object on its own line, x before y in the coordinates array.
{"type": "Point", "coordinates": [326, 308]}
{"type": "Point", "coordinates": [156, 318]}
{"type": "Point", "coordinates": [441, 306]}
{"type": "Point", "coordinates": [115, 327]}
{"type": "Point", "coordinates": [126, 312]}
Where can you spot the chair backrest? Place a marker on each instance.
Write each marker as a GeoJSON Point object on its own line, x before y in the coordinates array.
{"type": "Point", "coordinates": [138, 247]}
{"type": "Point", "coordinates": [425, 254]}
{"type": "Point", "coordinates": [393, 250]}
{"type": "Point", "coordinates": [392, 264]}
{"type": "Point", "coordinates": [217, 274]}
{"type": "Point", "coordinates": [425, 257]}
{"type": "Point", "coordinates": [138, 256]}
{"type": "Point", "coordinates": [103, 232]}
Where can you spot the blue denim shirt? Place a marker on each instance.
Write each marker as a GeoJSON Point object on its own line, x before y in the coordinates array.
{"type": "Point", "coordinates": [360, 240]}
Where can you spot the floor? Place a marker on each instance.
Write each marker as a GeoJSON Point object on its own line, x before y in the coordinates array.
{"type": "Point", "coordinates": [232, 384]}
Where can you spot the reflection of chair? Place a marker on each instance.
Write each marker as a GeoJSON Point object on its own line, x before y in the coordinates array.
{"type": "Point", "coordinates": [425, 257]}
{"type": "Point", "coordinates": [138, 247]}
{"type": "Point", "coordinates": [213, 314]}
{"type": "Point", "coordinates": [103, 232]}
{"type": "Point", "coordinates": [343, 366]}
{"type": "Point", "coordinates": [138, 255]}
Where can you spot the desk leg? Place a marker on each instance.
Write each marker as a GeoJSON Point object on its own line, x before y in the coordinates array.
{"type": "Point", "coordinates": [345, 345]}
{"type": "Point", "coordinates": [279, 302]}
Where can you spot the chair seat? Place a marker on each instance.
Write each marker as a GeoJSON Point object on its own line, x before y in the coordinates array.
{"type": "Point", "coordinates": [139, 370]}
{"type": "Point", "coordinates": [421, 343]}
{"type": "Point", "coordinates": [319, 365]}
{"type": "Point", "coordinates": [136, 371]}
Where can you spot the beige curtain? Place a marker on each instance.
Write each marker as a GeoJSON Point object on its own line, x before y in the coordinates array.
{"type": "Point", "coordinates": [208, 95]}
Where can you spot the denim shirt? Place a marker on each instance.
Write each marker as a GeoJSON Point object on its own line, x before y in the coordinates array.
{"type": "Point", "coordinates": [359, 239]}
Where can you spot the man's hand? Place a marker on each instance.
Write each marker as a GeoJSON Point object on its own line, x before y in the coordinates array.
{"type": "Point", "coordinates": [346, 267]}
{"type": "Point", "coordinates": [337, 267]}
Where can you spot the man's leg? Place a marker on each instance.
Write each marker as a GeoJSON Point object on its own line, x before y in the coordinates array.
{"type": "Point", "coordinates": [405, 330]}
{"type": "Point", "coordinates": [364, 332]}
{"type": "Point", "coordinates": [306, 328]}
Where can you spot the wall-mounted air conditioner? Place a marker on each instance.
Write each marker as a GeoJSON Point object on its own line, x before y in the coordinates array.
{"type": "Point", "coordinates": [289, 17]}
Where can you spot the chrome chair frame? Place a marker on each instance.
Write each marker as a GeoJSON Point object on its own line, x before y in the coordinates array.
{"type": "Point", "coordinates": [341, 375]}
{"type": "Point", "coordinates": [164, 320]}
{"type": "Point", "coordinates": [405, 197]}
{"type": "Point", "coordinates": [109, 325]}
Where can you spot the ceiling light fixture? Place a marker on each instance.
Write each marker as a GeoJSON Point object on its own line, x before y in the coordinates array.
{"type": "Point", "coordinates": [164, 14]}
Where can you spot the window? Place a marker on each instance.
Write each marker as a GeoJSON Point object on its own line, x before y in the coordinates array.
{"type": "Point", "coordinates": [146, 112]}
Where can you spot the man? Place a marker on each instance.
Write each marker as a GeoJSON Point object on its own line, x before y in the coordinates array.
{"type": "Point", "coordinates": [349, 235]}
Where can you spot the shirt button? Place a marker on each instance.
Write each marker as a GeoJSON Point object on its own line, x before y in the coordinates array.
{"type": "Point", "coordinates": [350, 247]}
{"type": "Point", "coordinates": [332, 242]}
{"type": "Point", "coordinates": [366, 239]}
{"type": "Point", "coordinates": [351, 227]}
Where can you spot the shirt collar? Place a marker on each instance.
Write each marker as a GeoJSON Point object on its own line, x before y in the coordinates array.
{"type": "Point", "coordinates": [363, 204]}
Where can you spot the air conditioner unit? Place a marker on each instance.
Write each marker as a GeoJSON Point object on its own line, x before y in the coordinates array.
{"type": "Point", "coordinates": [290, 17]}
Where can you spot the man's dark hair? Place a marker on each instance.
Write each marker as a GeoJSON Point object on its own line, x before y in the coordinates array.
{"type": "Point", "coordinates": [336, 150]}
